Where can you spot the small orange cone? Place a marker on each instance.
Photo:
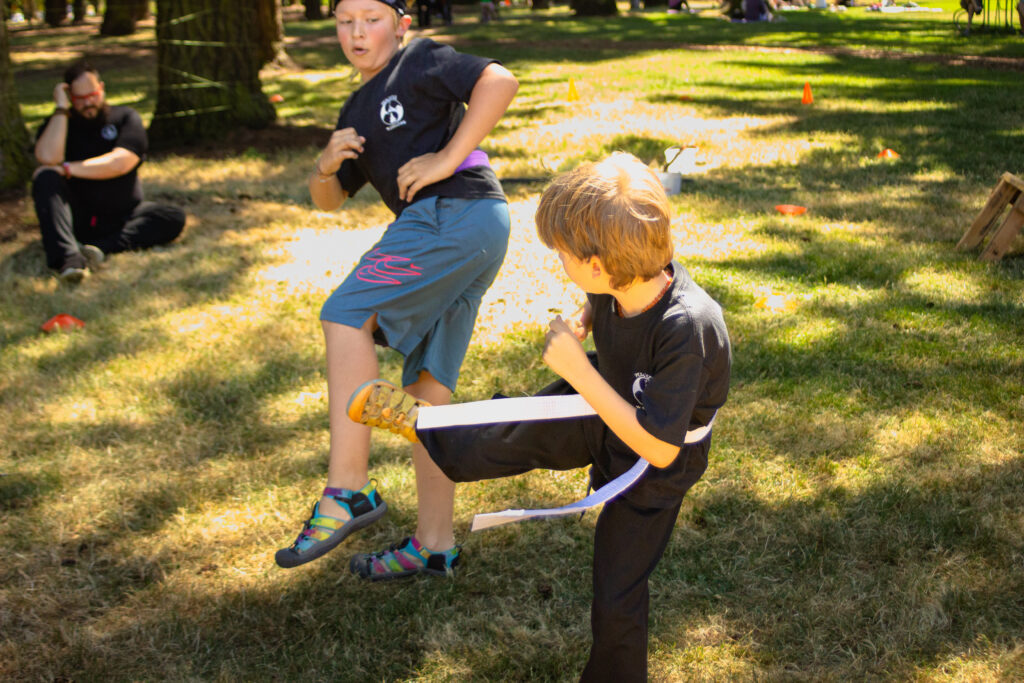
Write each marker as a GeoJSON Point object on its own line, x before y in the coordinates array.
{"type": "Point", "coordinates": [888, 154]}
{"type": "Point", "coordinates": [808, 97]}
{"type": "Point", "coordinates": [573, 95]}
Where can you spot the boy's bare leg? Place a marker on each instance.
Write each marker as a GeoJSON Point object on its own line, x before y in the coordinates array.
{"type": "Point", "coordinates": [434, 491]}
{"type": "Point", "coordinates": [351, 361]}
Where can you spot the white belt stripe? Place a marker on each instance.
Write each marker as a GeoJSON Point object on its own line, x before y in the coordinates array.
{"type": "Point", "coordinates": [528, 408]}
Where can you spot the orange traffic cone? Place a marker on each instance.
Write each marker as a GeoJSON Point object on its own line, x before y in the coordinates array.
{"type": "Point", "coordinates": [808, 97]}
{"type": "Point", "coordinates": [888, 154]}
{"type": "Point", "coordinates": [573, 95]}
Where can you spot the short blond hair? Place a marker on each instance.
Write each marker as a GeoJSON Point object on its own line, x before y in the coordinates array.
{"type": "Point", "coordinates": [615, 209]}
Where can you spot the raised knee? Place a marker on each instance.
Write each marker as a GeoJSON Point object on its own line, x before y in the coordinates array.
{"type": "Point", "coordinates": [46, 177]}
{"type": "Point", "coordinates": [177, 217]}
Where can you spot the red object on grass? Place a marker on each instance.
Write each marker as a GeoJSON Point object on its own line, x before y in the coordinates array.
{"type": "Point", "coordinates": [276, 97]}
{"type": "Point", "coordinates": [790, 209]}
{"type": "Point", "coordinates": [62, 321]}
{"type": "Point", "coordinates": [888, 154]}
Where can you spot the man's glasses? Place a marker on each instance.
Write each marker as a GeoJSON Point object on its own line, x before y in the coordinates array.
{"type": "Point", "coordinates": [82, 98]}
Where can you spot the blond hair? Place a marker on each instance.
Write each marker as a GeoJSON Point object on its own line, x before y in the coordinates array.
{"type": "Point", "coordinates": [615, 209]}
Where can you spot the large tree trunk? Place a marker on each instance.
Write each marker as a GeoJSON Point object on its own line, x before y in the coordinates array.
{"type": "Point", "coordinates": [540, 4]}
{"type": "Point", "coordinates": [55, 12]}
{"type": "Point", "coordinates": [119, 19]}
{"type": "Point", "coordinates": [209, 54]}
{"type": "Point", "coordinates": [314, 10]}
{"type": "Point", "coordinates": [15, 162]}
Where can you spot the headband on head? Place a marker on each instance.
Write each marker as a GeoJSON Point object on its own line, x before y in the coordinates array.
{"type": "Point", "coordinates": [397, 5]}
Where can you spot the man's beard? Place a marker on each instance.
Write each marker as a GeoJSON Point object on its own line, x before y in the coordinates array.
{"type": "Point", "coordinates": [100, 116]}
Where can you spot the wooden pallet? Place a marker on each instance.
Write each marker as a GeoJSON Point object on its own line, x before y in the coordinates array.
{"type": "Point", "coordinates": [1009, 191]}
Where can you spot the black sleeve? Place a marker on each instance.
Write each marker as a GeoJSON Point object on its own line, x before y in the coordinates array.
{"type": "Point", "coordinates": [132, 134]}
{"type": "Point", "coordinates": [676, 381]}
{"type": "Point", "coordinates": [447, 72]}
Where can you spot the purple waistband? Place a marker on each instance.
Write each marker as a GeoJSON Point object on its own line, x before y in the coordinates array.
{"type": "Point", "coordinates": [477, 157]}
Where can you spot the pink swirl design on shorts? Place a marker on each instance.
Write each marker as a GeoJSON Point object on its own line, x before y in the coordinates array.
{"type": "Point", "coordinates": [385, 269]}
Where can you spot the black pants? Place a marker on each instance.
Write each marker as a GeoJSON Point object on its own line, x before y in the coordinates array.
{"type": "Point", "coordinates": [64, 222]}
{"type": "Point", "coordinates": [628, 542]}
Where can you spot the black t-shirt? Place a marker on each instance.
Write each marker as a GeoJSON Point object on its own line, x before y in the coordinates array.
{"type": "Point", "coordinates": [413, 107]}
{"type": "Point", "coordinates": [672, 362]}
{"type": "Point", "coordinates": [87, 138]}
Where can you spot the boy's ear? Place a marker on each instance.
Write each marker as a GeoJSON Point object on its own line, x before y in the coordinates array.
{"type": "Point", "coordinates": [404, 22]}
{"type": "Point", "coordinates": [595, 266]}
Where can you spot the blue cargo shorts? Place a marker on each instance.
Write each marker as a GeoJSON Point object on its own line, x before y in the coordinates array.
{"type": "Point", "coordinates": [424, 279]}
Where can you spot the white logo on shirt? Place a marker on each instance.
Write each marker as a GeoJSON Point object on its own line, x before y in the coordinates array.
{"type": "Point", "coordinates": [392, 113]}
{"type": "Point", "coordinates": [109, 132]}
{"type": "Point", "coordinates": [640, 380]}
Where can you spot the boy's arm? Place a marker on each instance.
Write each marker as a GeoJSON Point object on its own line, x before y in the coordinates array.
{"type": "Point", "coordinates": [324, 187]}
{"type": "Point", "coordinates": [564, 354]}
{"type": "Point", "coordinates": [488, 101]}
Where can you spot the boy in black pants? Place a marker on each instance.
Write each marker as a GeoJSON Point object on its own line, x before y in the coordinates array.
{"type": "Point", "coordinates": [660, 372]}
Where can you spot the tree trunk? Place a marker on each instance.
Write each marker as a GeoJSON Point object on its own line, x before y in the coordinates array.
{"type": "Point", "coordinates": [540, 4]}
{"type": "Point", "coordinates": [313, 9]}
{"type": "Point", "coordinates": [594, 8]}
{"type": "Point", "coordinates": [78, 11]}
{"type": "Point", "coordinates": [15, 162]}
{"type": "Point", "coordinates": [272, 20]}
{"type": "Point", "coordinates": [28, 8]}
{"type": "Point", "coordinates": [119, 19]}
{"type": "Point", "coordinates": [55, 12]}
{"type": "Point", "coordinates": [209, 54]}
{"type": "Point", "coordinates": [140, 9]}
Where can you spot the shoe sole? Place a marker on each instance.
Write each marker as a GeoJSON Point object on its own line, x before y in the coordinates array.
{"type": "Point", "coordinates": [287, 558]}
{"type": "Point", "coordinates": [72, 277]}
{"type": "Point", "coordinates": [94, 256]}
{"type": "Point", "coordinates": [370, 405]}
{"type": "Point", "coordinates": [354, 563]}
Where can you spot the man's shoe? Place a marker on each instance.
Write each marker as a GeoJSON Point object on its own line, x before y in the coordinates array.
{"type": "Point", "coordinates": [72, 275]}
{"type": "Point", "coordinates": [94, 256]}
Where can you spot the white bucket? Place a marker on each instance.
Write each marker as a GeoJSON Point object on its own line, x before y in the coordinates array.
{"type": "Point", "coordinates": [672, 182]}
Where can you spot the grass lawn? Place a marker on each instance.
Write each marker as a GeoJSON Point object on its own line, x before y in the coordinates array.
{"type": "Point", "coordinates": [861, 517]}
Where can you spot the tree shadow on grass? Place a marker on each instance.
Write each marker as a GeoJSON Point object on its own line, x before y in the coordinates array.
{"type": "Point", "coordinates": [854, 583]}
{"type": "Point", "coordinates": [112, 584]}
{"type": "Point", "coordinates": [880, 581]}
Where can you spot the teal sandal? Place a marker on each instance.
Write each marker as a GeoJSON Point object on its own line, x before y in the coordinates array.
{"type": "Point", "coordinates": [321, 533]}
{"type": "Point", "coordinates": [405, 558]}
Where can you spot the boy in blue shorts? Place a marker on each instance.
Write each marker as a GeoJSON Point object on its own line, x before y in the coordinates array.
{"type": "Point", "coordinates": [659, 375]}
{"type": "Point", "coordinates": [407, 132]}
